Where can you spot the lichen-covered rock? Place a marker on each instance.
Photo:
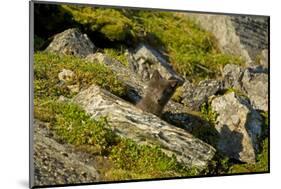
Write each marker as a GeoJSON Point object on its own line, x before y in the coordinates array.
{"type": "Point", "coordinates": [145, 128]}
{"type": "Point", "coordinates": [71, 42]}
{"type": "Point", "coordinates": [145, 60]}
{"type": "Point", "coordinates": [195, 95]}
{"type": "Point", "coordinates": [252, 81]}
{"type": "Point", "coordinates": [99, 57]}
{"type": "Point", "coordinates": [239, 127]}
{"type": "Point", "coordinates": [255, 84]}
{"type": "Point", "coordinates": [232, 75]}
{"type": "Point", "coordinates": [54, 163]}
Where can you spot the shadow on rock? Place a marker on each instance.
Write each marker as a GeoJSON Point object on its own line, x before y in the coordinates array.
{"type": "Point", "coordinates": [193, 124]}
{"type": "Point", "coordinates": [231, 143]}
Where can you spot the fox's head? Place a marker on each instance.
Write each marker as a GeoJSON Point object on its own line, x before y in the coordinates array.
{"type": "Point", "coordinates": [160, 88]}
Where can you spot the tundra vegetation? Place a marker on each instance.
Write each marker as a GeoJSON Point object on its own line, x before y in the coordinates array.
{"type": "Point", "coordinates": [193, 53]}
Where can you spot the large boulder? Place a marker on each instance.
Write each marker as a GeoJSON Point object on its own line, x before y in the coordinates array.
{"type": "Point", "coordinates": [238, 125]}
{"type": "Point", "coordinates": [255, 84]}
{"type": "Point", "coordinates": [243, 36]}
{"type": "Point", "coordinates": [144, 60]}
{"type": "Point", "coordinates": [252, 81]}
{"type": "Point", "coordinates": [223, 28]}
{"type": "Point", "coordinates": [71, 42]}
{"type": "Point", "coordinates": [55, 163]}
{"type": "Point", "coordinates": [195, 95]}
{"type": "Point", "coordinates": [144, 128]}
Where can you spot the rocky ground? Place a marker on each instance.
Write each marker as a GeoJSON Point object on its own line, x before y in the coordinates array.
{"type": "Point", "coordinates": [222, 115]}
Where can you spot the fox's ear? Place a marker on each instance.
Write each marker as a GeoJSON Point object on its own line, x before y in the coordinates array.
{"type": "Point", "coordinates": [156, 75]}
{"type": "Point", "coordinates": [173, 83]}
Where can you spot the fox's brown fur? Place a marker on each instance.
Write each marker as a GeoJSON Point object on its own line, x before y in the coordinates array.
{"type": "Point", "coordinates": [158, 93]}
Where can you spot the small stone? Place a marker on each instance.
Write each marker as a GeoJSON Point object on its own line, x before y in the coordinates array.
{"type": "Point", "coordinates": [74, 88]}
{"type": "Point", "coordinates": [100, 58]}
{"type": "Point", "coordinates": [63, 98]}
{"type": "Point", "coordinates": [66, 75]}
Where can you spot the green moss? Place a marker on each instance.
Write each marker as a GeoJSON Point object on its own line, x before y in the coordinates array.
{"type": "Point", "coordinates": [236, 91]}
{"type": "Point", "coordinates": [72, 125]}
{"type": "Point", "coordinates": [208, 114]}
{"type": "Point", "coordinates": [119, 55]}
{"type": "Point", "coordinates": [192, 51]}
{"type": "Point", "coordinates": [110, 22]}
{"type": "Point", "coordinates": [47, 66]}
{"type": "Point", "coordinates": [218, 165]}
{"type": "Point", "coordinates": [177, 96]}
{"type": "Point", "coordinates": [147, 161]}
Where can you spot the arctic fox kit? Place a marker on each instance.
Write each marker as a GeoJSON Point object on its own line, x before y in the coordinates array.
{"type": "Point", "coordinates": [158, 93]}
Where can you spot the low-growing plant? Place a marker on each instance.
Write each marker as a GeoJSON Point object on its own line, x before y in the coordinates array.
{"type": "Point", "coordinates": [112, 23]}
{"type": "Point", "coordinates": [147, 161]}
{"type": "Point", "coordinates": [129, 160]}
{"type": "Point", "coordinates": [236, 91]}
{"type": "Point", "coordinates": [47, 66]}
{"type": "Point", "coordinates": [72, 125]}
{"type": "Point", "coordinates": [208, 114]}
{"type": "Point", "coordinates": [190, 49]}
{"type": "Point", "coordinates": [119, 55]}
{"type": "Point", "coordinates": [218, 165]}
{"type": "Point", "coordinates": [177, 96]}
